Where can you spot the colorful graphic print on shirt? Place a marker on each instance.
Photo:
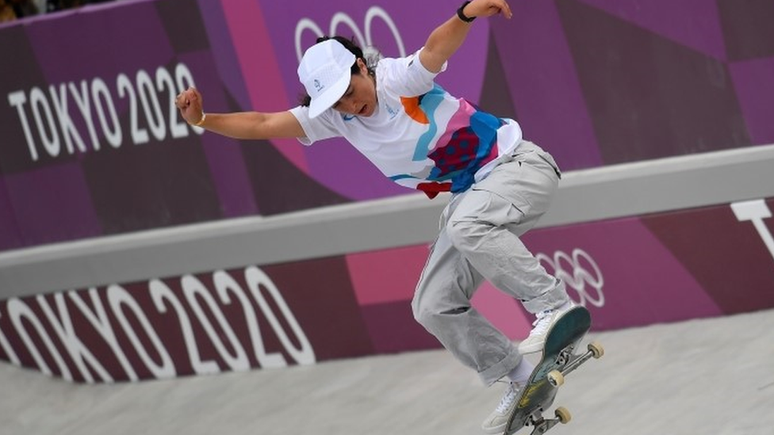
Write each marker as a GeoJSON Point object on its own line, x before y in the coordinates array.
{"type": "Point", "coordinates": [468, 143]}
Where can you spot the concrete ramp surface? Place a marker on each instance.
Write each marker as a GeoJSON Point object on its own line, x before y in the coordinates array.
{"type": "Point", "coordinates": [702, 376]}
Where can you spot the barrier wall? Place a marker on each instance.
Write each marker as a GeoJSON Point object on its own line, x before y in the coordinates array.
{"type": "Point", "coordinates": [629, 272]}
{"type": "Point", "coordinates": [92, 147]}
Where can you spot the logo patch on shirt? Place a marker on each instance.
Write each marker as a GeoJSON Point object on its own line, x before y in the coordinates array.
{"type": "Point", "coordinates": [393, 113]}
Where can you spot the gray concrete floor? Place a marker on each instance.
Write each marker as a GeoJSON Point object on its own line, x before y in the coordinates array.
{"type": "Point", "coordinates": [703, 376]}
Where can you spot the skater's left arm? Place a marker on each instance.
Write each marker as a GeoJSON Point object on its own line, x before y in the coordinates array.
{"type": "Point", "coordinates": [444, 41]}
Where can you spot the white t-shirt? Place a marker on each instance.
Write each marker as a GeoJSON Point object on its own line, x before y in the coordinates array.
{"type": "Point", "coordinates": [419, 136]}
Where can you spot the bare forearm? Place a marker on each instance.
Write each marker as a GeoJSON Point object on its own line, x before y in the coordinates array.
{"type": "Point", "coordinates": [239, 125]}
{"type": "Point", "coordinates": [444, 41]}
{"type": "Point", "coordinates": [250, 125]}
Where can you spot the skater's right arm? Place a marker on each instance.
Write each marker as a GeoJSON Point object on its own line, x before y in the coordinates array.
{"type": "Point", "coordinates": [238, 125]}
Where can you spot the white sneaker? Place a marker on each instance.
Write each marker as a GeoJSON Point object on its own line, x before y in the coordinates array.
{"type": "Point", "coordinates": [537, 337]}
{"type": "Point", "coordinates": [497, 420]}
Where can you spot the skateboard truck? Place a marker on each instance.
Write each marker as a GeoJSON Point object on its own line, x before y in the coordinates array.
{"type": "Point", "coordinates": [542, 425]}
{"type": "Point", "coordinates": [556, 377]}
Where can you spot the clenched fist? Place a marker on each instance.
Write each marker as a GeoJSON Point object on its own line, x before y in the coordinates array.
{"type": "Point", "coordinates": [190, 104]}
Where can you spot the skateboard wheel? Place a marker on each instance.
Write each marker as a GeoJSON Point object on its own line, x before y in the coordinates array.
{"type": "Point", "coordinates": [596, 350]}
{"type": "Point", "coordinates": [555, 378]}
{"type": "Point", "coordinates": [563, 415]}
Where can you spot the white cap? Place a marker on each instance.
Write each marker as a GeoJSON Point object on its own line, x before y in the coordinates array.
{"type": "Point", "coordinates": [325, 72]}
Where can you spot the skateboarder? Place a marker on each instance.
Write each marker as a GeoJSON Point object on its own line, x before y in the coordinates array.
{"type": "Point", "coordinates": [422, 137]}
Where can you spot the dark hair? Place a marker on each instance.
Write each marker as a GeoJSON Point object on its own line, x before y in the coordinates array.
{"type": "Point", "coordinates": [350, 45]}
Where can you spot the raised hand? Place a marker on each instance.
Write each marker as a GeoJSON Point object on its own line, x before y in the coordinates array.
{"type": "Point", "coordinates": [488, 8]}
{"type": "Point", "coordinates": [190, 104]}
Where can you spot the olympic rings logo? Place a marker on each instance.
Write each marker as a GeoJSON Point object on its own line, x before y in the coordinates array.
{"type": "Point", "coordinates": [342, 18]}
{"type": "Point", "coordinates": [579, 272]}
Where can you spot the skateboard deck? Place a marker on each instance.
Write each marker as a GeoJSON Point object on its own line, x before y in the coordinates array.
{"type": "Point", "coordinates": [558, 359]}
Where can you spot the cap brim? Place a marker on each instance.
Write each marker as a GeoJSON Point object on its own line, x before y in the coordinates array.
{"type": "Point", "coordinates": [330, 97]}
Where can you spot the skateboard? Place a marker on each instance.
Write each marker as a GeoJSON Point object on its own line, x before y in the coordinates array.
{"type": "Point", "coordinates": [558, 359]}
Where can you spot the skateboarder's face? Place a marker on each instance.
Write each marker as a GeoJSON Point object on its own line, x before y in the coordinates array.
{"type": "Point", "coordinates": [360, 97]}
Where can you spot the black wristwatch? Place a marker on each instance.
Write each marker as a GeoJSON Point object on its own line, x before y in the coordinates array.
{"type": "Point", "coordinates": [462, 15]}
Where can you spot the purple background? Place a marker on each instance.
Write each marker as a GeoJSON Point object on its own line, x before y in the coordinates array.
{"type": "Point", "coordinates": [651, 80]}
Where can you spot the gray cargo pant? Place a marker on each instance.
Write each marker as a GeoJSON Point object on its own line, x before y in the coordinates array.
{"type": "Point", "coordinates": [479, 239]}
